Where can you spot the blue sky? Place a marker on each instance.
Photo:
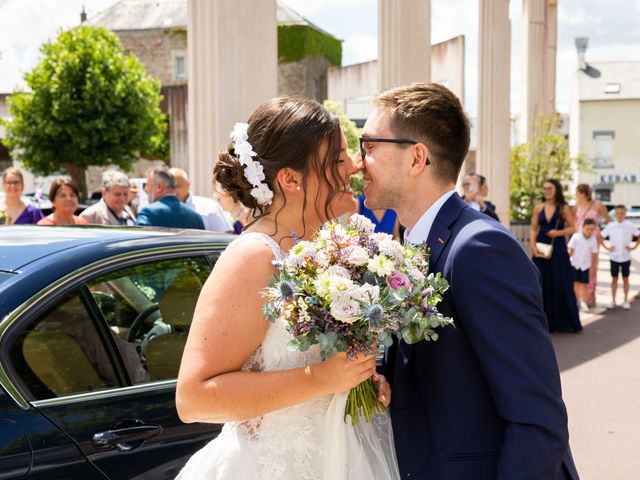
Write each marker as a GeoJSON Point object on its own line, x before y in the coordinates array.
{"type": "Point", "coordinates": [613, 27]}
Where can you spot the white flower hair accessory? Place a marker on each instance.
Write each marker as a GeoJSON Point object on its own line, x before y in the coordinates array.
{"type": "Point", "coordinates": [253, 170]}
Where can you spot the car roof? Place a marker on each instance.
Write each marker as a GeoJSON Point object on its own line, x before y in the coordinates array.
{"type": "Point", "coordinates": [21, 245]}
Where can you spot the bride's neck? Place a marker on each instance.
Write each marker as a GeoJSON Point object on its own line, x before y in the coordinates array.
{"type": "Point", "coordinates": [284, 227]}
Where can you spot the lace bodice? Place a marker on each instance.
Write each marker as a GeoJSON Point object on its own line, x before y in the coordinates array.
{"type": "Point", "coordinates": [303, 441]}
{"type": "Point", "coordinates": [290, 436]}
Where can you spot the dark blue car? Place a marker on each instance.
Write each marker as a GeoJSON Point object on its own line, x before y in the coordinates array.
{"type": "Point", "coordinates": [93, 321]}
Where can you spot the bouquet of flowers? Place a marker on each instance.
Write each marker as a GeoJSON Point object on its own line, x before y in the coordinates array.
{"type": "Point", "coordinates": [350, 289]}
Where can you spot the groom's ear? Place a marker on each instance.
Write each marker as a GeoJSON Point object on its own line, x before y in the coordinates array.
{"type": "Point", "coordinates": [420, 158]}
{"type": "Point", "coordinates": [289, 180]}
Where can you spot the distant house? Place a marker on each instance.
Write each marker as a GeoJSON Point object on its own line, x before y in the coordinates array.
{"type": "Point", "coordinates": [156, 32]}
{"type": "Point", "coordinates": [604, 126]}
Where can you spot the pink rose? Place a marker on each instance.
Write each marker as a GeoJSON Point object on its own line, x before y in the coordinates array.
{"type": "Point", "coordinates": [397, 280]}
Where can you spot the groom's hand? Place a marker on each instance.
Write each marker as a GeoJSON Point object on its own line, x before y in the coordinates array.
{"type": "Point", "coordinates": [383, 388]}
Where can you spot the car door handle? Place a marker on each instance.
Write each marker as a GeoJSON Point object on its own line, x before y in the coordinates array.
{"type": "Point", "coordinates": [125, 438]}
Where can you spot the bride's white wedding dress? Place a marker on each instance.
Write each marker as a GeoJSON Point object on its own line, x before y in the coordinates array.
{"type": "Point", "coordinates": [309, 440]}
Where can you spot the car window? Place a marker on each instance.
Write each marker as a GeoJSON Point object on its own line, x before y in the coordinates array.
{"type": "Point", "coordinates": [61, 353]}
{"type": "Point", "coordinates": [149, 308]}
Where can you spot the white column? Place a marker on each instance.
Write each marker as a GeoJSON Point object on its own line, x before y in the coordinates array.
{"type": "Point", "coordinates": [233, 61]}
{"type": "Point", "coordinates": [550, 58]}
{"type": "Point", "coordinates": [492, 157]}
{"type": "Point", "coordinates": [404, 42]}
{"type": "Point", "coordinates": [535, 51]}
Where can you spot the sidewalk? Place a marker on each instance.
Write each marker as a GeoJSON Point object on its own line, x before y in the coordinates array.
{"type": "Point", "coordinates": [600, 373]}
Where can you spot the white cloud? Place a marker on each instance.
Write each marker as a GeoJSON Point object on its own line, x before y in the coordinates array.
{"type": "Point", "coordinates": [26, 24]}
{"type": "Point", "coordinates": [358, 48]}
{"type": "Point", "coordinates": [306, 7]}
{"type": "Point", "coordinates": [577, 17]}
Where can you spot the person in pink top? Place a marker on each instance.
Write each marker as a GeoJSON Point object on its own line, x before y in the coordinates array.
{"type": "Point", "coordinates": [587, 207]}
{"type": "Point", "coordinates": [64, 196]}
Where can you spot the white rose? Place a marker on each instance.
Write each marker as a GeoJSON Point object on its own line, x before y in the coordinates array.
{"type": "Point", "coordinates": [346, 311]}
{"type": "Point", "coordinates": [358, 256]}
{"type": "Point", "coordinates": [338, 271]}
{"type": "Point", "coordinates": [416, 275]}
{"type": "Point", "coordinates": [367, 293]}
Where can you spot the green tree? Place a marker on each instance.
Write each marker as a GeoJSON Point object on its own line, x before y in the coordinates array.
{"type": "Point", "coordinates": [531, 163]}
{"type": "Point", "coordinates": [352, 133]}
{"type": "Point", "coordinates": [87, 103]}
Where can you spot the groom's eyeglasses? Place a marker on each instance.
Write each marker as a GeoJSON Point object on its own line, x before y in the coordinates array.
{"type": "Point", "coordinates": [363, 153]}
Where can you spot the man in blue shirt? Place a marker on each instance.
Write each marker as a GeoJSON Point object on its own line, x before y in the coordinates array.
{"type": "Point", "coordinates": [166, 209]}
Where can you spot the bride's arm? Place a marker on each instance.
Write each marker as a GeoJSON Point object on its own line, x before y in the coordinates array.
{"type": "Point", "coordinates": [228, 326]}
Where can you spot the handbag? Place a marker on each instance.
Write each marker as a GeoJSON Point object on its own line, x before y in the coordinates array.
{"type": "Point", "coordinates": [545, 250]}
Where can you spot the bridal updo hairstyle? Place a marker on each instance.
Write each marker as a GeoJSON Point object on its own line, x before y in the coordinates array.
{"type": "Point", "coordinates": [285, 132]}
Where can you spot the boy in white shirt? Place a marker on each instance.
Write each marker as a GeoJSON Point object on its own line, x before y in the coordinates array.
{"type": "Point", "coordinates": [620, 234]}
{"type": "Point", "coordinates": [583, 248]}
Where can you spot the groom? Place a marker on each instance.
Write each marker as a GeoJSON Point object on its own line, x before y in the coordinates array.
{"type": "Point", "coordinates": [484, 401]}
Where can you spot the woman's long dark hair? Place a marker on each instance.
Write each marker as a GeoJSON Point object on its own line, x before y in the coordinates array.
{"type": "Point", "coordinates": [286, 132]}
{"type": "Point", "coordinates": [558, 196]}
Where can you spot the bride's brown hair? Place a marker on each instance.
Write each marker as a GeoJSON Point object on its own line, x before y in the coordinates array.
{"type": "Point", "coordinates": [285, 132]}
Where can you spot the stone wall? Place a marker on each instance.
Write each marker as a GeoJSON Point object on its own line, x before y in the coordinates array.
{"type": "Point", "coordinates": [156, 49]}
{"type": "Point", "coordinates": [307, 78]}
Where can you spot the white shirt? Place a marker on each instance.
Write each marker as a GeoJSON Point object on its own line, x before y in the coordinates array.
{"type": "Point", "coordinates": [620, 235]}
{"type": "Point", "coordinates": [211, 212]}
{"type": "Point", "coordinates": [420, 231]}
{"type": "Point", "coordinates": [475, 205]}
{"type": "Point", "coordinates": [583, 249]}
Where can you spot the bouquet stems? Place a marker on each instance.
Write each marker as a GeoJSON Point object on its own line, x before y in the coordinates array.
{"type": "Point", "coordinates": [363, 400]}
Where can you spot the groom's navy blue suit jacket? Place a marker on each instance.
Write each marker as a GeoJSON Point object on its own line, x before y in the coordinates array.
{"type": "Point", "coordinates": [484, 401]}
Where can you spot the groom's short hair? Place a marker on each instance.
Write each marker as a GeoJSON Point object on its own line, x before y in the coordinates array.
{"type": "Point", "coordinates": [430, 113]}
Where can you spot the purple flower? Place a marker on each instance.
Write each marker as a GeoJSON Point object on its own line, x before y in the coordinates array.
{"type": "Point", "coordinates": [397, 280]}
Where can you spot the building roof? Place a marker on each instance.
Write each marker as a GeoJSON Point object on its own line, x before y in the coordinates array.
{"type": "Point", "coordinates": [143, 15]}
{"type": "Point", "coordinates": [170, 14]}
{"type": "Point", "coordinates": [610, 81]}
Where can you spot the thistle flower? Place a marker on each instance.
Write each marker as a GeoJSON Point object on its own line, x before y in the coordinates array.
{"type": "Point", "coordinates": [287, 289]}
{"type": "Point", "coordinates": [373, 313]}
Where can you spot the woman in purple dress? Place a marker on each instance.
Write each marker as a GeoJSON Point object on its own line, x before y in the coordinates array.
{"type": "Point", "coordinates": [14, 211]}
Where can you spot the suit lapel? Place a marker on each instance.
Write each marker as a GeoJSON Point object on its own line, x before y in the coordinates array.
{"type": "Point", "coordinates": [440, 232]}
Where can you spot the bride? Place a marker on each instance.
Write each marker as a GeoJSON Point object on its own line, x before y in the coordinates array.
{"type": "Point", "coordinates": [283, 410]}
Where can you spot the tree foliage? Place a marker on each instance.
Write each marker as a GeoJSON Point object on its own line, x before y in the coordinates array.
{"type": "Point", "coordinates": [87, 103]}
{"type": "Point", "coordinates": [531, 163]}
{"type": "Point", "coordinates": [298, 41]}
{"type": "Point", "coordinates": [352, 133]}
{"type": "Point", "coordinates": [350, 129]}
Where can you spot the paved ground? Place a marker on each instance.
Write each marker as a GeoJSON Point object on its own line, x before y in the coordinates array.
{"type": "Point", "coordinates": [600, 371]}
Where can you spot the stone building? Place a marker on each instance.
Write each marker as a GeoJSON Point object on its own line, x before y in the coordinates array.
{"type": "Point", "coordinates": [604, 126]}
{"type": "Point", "coordinates": [156, 32]}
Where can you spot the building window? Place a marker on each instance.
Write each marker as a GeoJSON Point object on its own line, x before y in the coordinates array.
{"type": "Point", "coordinates": [603, 194]}
{"type": "Point", "coordinates": [604, 148]}
{"type": "Point", "coordinates": [179, 67]}
{"type": "Point", "coordinates": [612, 88]}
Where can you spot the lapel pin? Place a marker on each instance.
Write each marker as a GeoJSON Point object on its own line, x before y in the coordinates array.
{"type": "Point", "coordinates": [440, 241]}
